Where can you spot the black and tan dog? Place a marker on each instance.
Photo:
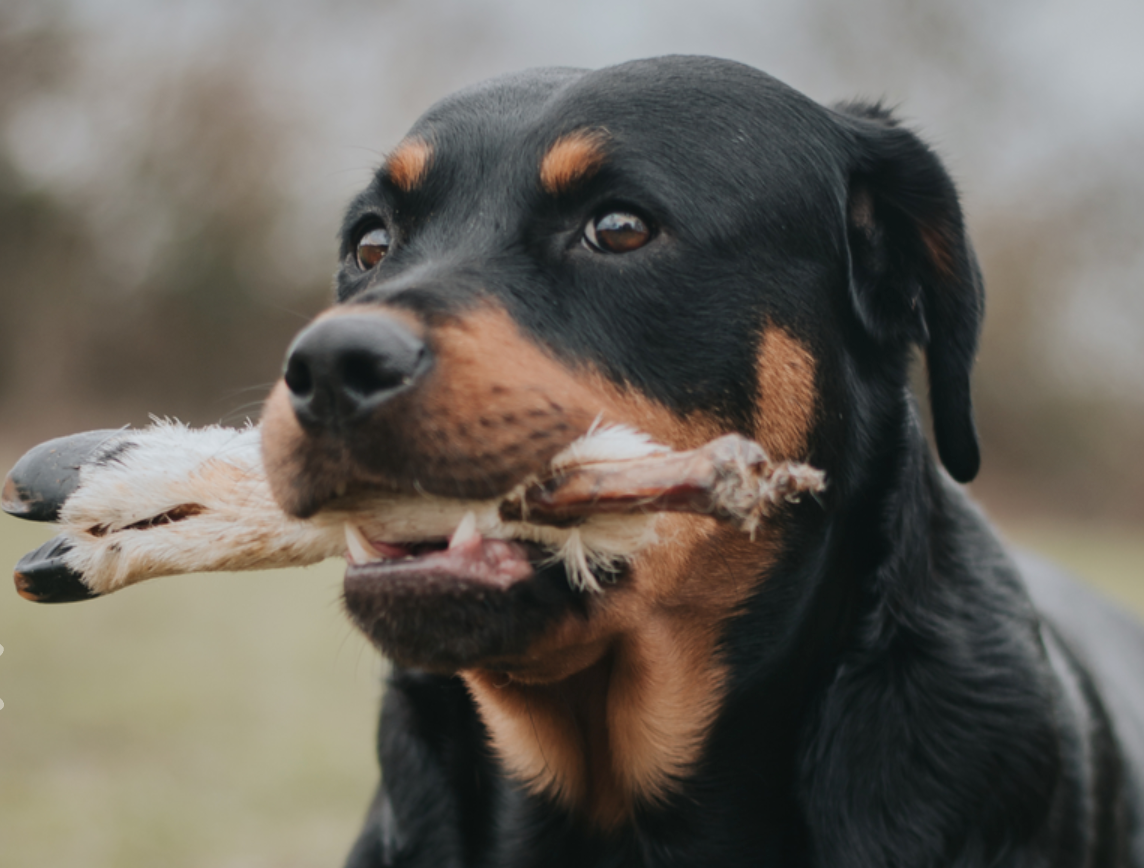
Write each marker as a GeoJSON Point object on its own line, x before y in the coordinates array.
{"type": "Point", "coordinates": [687, 247]}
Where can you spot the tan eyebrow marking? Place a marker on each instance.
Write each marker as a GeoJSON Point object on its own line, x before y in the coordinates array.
{"type": "Point", "coordinates": [571, 159]}
{"type": "Point", "coordinates": [409, 163]}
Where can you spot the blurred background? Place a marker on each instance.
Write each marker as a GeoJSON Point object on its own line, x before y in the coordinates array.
{"type": "Point", "coordinates": [171, 178]}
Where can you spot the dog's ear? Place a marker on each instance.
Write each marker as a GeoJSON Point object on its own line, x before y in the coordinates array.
{"type": "Point", "coordinates": [914, 274]}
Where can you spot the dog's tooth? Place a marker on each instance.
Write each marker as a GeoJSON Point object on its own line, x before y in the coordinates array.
{"type": "Point", "coordinates": [465, 531]}
{"type": "Point", "coordinates": [359, 548]}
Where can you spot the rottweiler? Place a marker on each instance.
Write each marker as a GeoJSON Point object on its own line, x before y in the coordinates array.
{"type": "Point", "coordinates": [687, 248]}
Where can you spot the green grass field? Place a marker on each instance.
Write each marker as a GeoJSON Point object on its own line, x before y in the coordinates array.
{"type": "Point", "coordinates": [221, 720]}
{"type": "Point", "coordinates": [227, 720]}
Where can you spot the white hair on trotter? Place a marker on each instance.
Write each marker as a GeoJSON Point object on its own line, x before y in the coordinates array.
{"type": "Point", "coordinates": [168, 499]}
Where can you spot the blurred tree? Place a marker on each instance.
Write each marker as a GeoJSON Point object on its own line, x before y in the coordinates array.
{"type": "Point", "coordinates": [1059, 383]}
{"type": "Point", "coordinates": [1062, 414]}
{"type": "Point", "coordinates": [190, 315]}
{"type": "Point", "coordinates": [35, 57]}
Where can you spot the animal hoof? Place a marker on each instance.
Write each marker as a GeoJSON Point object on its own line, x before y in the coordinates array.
{"type": "Point", "coordinates": [48, 474]}
{"type": "Point", "coordinates": [43, 577]}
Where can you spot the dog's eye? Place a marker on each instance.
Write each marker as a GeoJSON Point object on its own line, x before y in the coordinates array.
{"type": "Point", "coordinates": [372, 247]}
{"type": "Point", "coordinates": [617, 232]}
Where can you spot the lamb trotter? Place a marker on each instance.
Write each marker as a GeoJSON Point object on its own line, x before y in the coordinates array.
{"type": "Point", "coordinates": [729, 478]}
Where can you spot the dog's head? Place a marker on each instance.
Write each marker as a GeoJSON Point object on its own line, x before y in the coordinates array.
{"type": "Point", "coordinates": [682, 246]}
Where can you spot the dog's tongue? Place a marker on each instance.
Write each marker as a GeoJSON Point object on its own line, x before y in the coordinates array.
{"type": "Point", "coordinates": [448, 607]}
{"type": "Point", "coordinates": [489, 563]}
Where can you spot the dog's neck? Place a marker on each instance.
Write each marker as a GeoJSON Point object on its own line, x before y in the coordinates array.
{"type": "Point", "coordinates": [622, 730]}
{"type": "Point", "coordinates": [631, 724]}
{"type": "Point", "coordinates": [631, 719]}
{"type": "Point", "coordinates": [661, 717]}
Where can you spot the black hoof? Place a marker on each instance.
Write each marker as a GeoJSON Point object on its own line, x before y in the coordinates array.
{"type": "Point", "coordinates": [42, 577]}
{"type": "Point", "coordinates": [48, 474]}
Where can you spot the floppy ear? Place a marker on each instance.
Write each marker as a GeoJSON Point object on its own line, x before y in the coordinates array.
{"type": "Point", "coordinates": [914, 275]}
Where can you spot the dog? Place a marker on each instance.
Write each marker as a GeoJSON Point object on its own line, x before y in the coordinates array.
{"type": "Point", "coordinates": [686, 248]}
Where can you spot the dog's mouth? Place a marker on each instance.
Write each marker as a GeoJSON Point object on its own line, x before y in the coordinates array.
{"type": "Point", "coordinates": [447, 603]}
{"type": "Point", "coordinates": [448, 584]}
{"type": "Point", "coordinates": [465, 558]}
{"type": "Point", "coordinates": [426, 543]}
{"type": "Point", "coordinates": [467, 582]}
{"type": "Point", "coordinates": [433, 581]}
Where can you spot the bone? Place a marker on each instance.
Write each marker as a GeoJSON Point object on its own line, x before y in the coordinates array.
{"type": "Point", "coordinates": [730, 478]}
{"type": "Point", "coordinates": [133, 505]}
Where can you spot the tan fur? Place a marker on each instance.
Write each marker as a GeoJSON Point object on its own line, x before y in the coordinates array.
{"type": "Point", "coordinates": [288, 457]}
{"type": "Point", "coordinates": [787, 395]}
{"type": "Point", "coordinates": [572, 159]}
{"type": "Point", "coordinates": [492, 375]}
{"type": "Point", "coordinates": [494, 409]}
{"type": "Point", "coordinates": [606, 711]}
{"type": "Point", "coordinates": [861, 208]}
{"type": "Point", "coordinates": [937, 237]}
{"type": "Point", "coordinates": [409, 163]}
{"type": "Point", "coordinates": [939, 245]}
{"type": "Point", "coordinates": [647, 654]}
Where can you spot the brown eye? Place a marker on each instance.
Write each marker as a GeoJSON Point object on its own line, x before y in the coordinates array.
{"type": "Point", "coordinates": [617, 232]}
{"type": "Point", "coordinates": [372, 247]}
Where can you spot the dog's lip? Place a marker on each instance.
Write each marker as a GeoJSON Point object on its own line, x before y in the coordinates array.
{"type": "Point", "coordinates": [468, 559]}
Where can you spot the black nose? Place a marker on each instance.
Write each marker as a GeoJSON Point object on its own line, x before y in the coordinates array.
{"type": "Point", "coordinates": [341, 369]}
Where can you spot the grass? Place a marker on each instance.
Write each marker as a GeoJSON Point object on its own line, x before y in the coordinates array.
{"type": "Point", "coordinates": [1111, 559]}
{"type": "Point", "coordinates": [227, 720]}
{"type": "Point", "coordinates": [221, 720]}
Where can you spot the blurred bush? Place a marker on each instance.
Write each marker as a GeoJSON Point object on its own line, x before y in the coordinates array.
{"type": "Point", "coordinates": [159, 286]}
{"type": "Point", "coordinates": [1059, 398]}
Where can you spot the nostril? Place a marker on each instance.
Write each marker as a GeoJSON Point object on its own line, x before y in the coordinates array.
{"type": "Point", "coordinates": [367, 374]}
{"type": "Point", "coordinates": [298, 376]}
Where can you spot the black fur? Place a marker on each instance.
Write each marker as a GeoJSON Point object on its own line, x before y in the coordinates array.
{"type": "Point", "coordinates": [897, 698]}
